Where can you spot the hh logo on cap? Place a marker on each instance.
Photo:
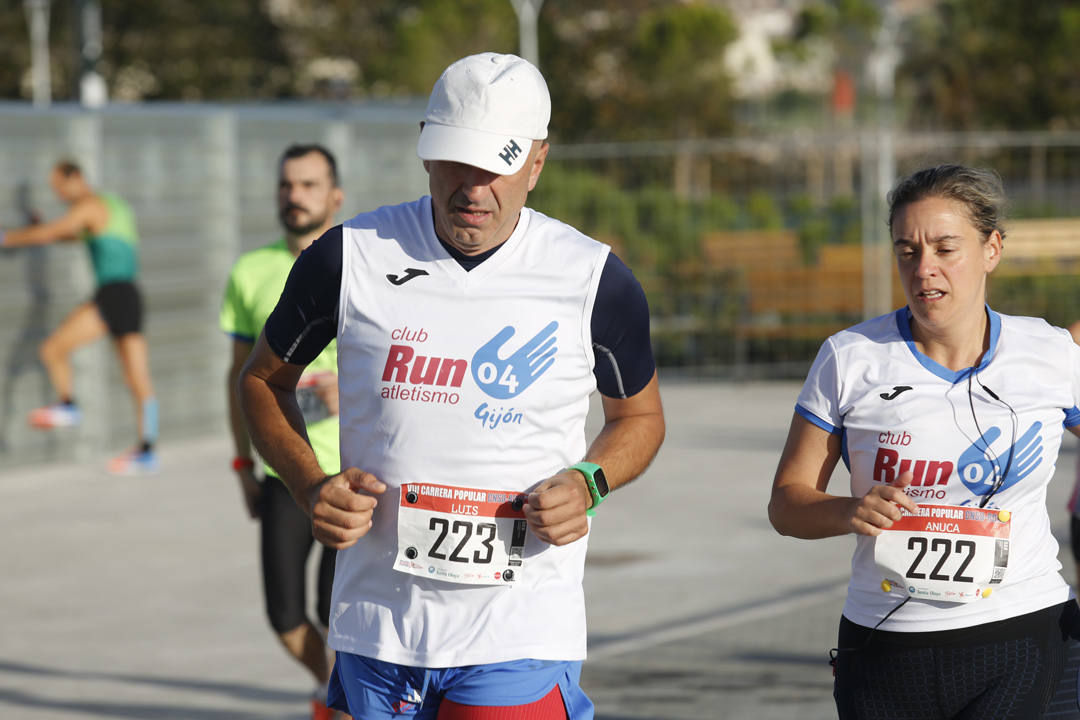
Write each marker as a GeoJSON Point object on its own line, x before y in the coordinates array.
{"type": "Point", "coordinates": [510, 152]}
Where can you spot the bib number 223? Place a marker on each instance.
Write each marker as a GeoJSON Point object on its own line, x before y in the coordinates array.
{"type": "Point", "coordinates": [462, 535]}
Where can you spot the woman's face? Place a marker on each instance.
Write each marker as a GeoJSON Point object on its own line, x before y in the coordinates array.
{"type": "Point", "coordinates": [943, 262]}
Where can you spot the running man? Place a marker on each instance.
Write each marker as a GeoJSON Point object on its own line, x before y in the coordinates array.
{"type": "Point", "coordinates": [308, 197]}
{"type": "Point", "coordinates": [106, 224]}
{"type": "Point", "coordinates": [471, 332]}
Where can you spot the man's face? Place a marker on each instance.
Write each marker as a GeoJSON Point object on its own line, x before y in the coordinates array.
{"type": "Point", "coordinates": [475, 210]}
{"type": "Point", "coordinates": [65, 188]}
{"type": "Point", "coordinates": [307, 197]}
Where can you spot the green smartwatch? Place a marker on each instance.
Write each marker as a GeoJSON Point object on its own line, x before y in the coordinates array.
{"type": "Point", "coordinates": [596, 482]}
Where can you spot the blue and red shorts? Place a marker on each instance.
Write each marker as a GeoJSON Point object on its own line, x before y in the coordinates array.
{"type": "Point", "coordinates": [377, 690]}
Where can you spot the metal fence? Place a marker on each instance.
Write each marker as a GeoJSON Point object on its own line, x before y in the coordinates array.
{"type": "Point", "coordinates": [202, 182]}
{"type": "Point", "coordinates": [753, 250]}
{"type": "Point", "coordinates": [729, 237]}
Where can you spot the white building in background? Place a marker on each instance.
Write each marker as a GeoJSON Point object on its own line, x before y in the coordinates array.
{"type": "Point", "coordinates": [756, 70]}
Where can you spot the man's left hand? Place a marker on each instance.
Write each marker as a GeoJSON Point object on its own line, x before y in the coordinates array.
{"type": "Point", "coordinates": [555, 510]}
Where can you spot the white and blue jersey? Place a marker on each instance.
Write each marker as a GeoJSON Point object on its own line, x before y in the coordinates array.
{"type": "Point", "coordinates": [463, 382]}
{"type": "Point", "coordinates": [958, 433]}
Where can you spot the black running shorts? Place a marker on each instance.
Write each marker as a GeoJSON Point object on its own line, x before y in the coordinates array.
{"type": "Point", "coordinates": [120, 305]}
{"type": "Point", "coordinates": [286, 542]}
{"type": "Point", "coordinates": [1004, 670]}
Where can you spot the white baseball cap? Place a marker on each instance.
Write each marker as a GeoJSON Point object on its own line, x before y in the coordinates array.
{"type": "Point", "coordinates": [485, 111]}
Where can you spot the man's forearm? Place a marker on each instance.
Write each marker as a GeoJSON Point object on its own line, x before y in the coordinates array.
{"type": "Point", "coordinates": [625, 447]}
{"type": "Point", "coordinates": [276, 427]}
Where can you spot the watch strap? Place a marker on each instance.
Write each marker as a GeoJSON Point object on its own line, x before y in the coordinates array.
{"type": "Point", "coordinates": [589, 470]}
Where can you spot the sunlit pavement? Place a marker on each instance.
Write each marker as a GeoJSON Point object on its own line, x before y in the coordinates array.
{"type": "Point", "coordinates": [139, 597]}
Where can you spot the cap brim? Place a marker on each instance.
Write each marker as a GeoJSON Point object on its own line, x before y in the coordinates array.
{"type": "Point", "coordinates": [500, 154]}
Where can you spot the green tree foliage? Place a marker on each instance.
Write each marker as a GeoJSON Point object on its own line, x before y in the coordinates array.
{"type": "Point", "coordinates": [618, 69]}
{"type": "Point", "coordinates": [15, 50]}
{"type": "Point", "coordinates": [974, 64]}
{"type": "Point", "coordinates": [192, 50]}
{"type": "Point", "coordinates": [635, 69]}
{"type": "Point", "coordinates": [845, 27]}
{"type": "Point", "coordinates": [402, 47]}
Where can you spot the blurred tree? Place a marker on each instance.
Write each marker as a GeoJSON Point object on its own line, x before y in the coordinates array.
{"type": "Point", "coordinates": [845, 30]}
{"type": "Point", "coordinates": [185, 49]}
{"type": "Point", "coordinates": [400, 47]}
{"type": "Point", "coordinates": [15, 50]}
{"type": "Point", "coordinates": [994, 64]}
{"type": "Point", "coordinates": [620, 69]}
{"type": "Point", "coordinates": [630, 69]}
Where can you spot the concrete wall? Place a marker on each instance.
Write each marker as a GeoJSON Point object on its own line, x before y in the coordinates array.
{"type": "Point", "coordinates": [201, 180]}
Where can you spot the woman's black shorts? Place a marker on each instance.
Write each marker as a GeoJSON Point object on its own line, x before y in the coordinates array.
{"type": "Point", "coordinates": [1007, 669]}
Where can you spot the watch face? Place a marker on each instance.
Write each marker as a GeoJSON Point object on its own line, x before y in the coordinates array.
{"type": "Point", "coordinates": [601, 482]}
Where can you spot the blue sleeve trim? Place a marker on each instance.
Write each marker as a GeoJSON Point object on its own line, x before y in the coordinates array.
{"type": "Point", "coordinates": [1072, 417]}
{"type": "Point", "coordinates": [826, 426]}
{"type": "Point", "coordinates": [242, 338]}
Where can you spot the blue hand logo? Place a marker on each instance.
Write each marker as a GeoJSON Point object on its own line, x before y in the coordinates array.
{"type": "Point", "coordinates": [507, 378]}
{"type": "Point", "coordinates": [978, 472]}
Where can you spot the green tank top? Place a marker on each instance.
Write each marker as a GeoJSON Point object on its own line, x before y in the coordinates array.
{"type": "Point", "coordinates": [114, 252]}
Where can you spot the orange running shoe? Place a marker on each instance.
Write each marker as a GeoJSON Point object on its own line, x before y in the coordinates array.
{"type": "Point", "coordinates": [134, 462]}
{"type": "Point", "coordinates": [57, 415]}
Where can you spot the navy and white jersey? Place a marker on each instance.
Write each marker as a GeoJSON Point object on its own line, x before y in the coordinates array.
{"type": "Point", "coordinates": [468, 384]}
{"type": "Point", "coordinates": [305, 321]}
{"type": "Point", "coordinates": [957, 432]}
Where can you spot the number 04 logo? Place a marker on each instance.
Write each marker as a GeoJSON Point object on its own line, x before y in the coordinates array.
{"type": "Point", "coordinates": [507, 377]}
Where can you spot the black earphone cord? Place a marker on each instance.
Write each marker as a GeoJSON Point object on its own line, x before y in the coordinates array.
{"type": "Point", "coordinates": [999, 480]}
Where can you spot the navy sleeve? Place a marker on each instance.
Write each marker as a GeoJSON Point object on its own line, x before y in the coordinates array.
{"type": "Point", "coordinates": [305, 319]}
{"type": "Point", "coordinates": [620, 333]}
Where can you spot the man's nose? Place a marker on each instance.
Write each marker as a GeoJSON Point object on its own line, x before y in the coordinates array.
{"type": "Point", "coordinates": [473, 178]}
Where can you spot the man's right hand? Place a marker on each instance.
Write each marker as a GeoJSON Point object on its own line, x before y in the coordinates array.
{"type": "Point", "coordinates": [342, 506]}
{"type": "Point", "coordinates": [252, 489]}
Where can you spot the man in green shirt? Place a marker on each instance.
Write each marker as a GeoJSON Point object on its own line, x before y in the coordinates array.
{"type": "Point", "coordinates": [106, 224]}
{"type": "Point", "coordinates": [308, 197]}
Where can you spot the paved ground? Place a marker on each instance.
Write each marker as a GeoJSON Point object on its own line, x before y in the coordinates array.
{"type": "Point", "coordinates": [139, 598]}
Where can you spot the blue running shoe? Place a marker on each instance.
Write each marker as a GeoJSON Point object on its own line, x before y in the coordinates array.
{"type": "Point", "coordinates": [134, 462]}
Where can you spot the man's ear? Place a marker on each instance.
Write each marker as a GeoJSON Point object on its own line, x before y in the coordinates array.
{"type": "Point", "coordinates": [537, 163]}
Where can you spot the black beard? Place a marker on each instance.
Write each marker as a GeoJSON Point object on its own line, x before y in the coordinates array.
{"type": "Point", "coordinates": [297, 228]}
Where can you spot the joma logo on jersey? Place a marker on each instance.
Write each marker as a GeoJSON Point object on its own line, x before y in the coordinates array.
{"type": "Point", "coordinates": [404, 365]}
{"type": "Point", "coordinates": [888, 465]}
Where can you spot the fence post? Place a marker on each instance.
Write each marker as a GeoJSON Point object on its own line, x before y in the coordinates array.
{"type": "Point", "coordinates": [878, 167]}
{"type": "Point", "coordinates": [337, 139]}
{"type": "Point", "coordinates": [221, 239]}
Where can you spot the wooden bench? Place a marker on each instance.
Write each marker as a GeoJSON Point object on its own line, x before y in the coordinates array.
{"type": "Point", "coordinates": [1041, 246]}
{"type": "Point", "coordinates": [749, 249]}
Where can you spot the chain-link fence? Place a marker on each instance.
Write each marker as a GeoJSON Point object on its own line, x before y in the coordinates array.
{"type": "Point", "coordinates": [751, 250]}
{"type": "Point", "coordinates": [754, 250]}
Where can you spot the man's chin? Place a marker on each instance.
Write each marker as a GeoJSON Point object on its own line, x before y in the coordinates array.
{"type": "Point", "coordinates": [300, 228]}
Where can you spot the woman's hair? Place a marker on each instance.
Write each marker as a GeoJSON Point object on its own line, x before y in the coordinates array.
{"type": "Point", "coordinates": [979, 190]}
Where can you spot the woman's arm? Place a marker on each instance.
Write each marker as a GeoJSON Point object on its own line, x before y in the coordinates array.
{"type": "Point", "coordinates": [799, 505]}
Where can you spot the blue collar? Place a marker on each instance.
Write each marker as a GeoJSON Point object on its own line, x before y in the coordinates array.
{"type": "Point", "coordinates": [903, 324]}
